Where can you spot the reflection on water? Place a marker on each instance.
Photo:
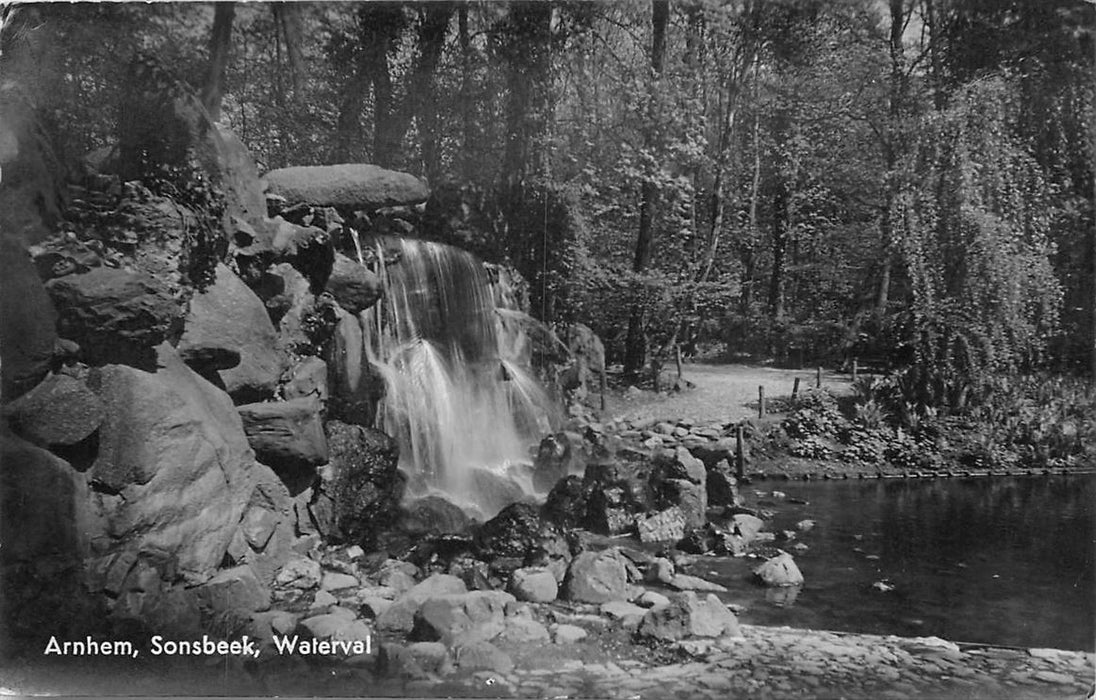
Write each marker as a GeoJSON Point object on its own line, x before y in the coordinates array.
{"type": "Point", "coordinates": [1001, 561]}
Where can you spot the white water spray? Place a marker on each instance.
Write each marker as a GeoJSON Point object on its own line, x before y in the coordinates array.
{"type": "Point", "coordinates": [454, 357]}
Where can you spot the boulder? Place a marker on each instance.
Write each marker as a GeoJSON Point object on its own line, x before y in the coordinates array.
{"type": "Point", "coordinates": [629, 614]}
{"type": "Point", "coordinates": [714, 452]}
{"type": "Point", "coordinates": [568, 634]}
{"type": "Point", "coordinates": [689, 616]}
{"type": "Point", "coordinates": [462, 618]}
{"type": "Point", "coordinates": [597, 577]}
{"type": "Point", "coordinates": [483, 656]}
{"type": "Point", "coordinates": [779, 571]}
{"type": "Point", "coordinates": [228, 319]}
{"type": "Point", "coordinates": [669, 525]}
{"type": "Point", "coordinates": [27, 317]}
{"type": "Point", "coordinates": [517, 531]}
{"type": "Point", "coordinates": [32, 198]}
{"type": "Point", "coordinates": [434, 515]}
{"type": "Point", "coordinates": [59, 412]}
{"type": "Point", "coordinates": [746, 526]}
{"type": "Point", "coordinates": [291, 305]}
{"type": "Point", "coordinates": [354, 286]}
{"type": "Point", "coordinates": [235, 590]}
{"type": "Point", "coordinates": [690, 497]}
{"type": "Point", "coordinates": [400, 616]}
{"type": "Point", "coordinates": [415, 660]}
{"type": "Point", "coordinates": [348, 185]}
{"type": "Point", "coordinates": [336, 628]}
{"type": "Point", "coordinates": [300, 572]}
{"type": "Point", "coordinates": [364, 488]}
{"type": "Point", "coordinates": [173, 465]}
{"type": "Point", "coordinates": [286, 435]}
{"type": "Point", "coordinates": [534, 584]}
{"type": "Point", "coordinates": [266, 531]}
{"type": "Point", "coordinates": [566, 502]}
{"type": "Point", "coordinates": [722, 485]}
{"type": "Point", "coordinates": [239, 179]}
{"type": "Point", "coordinates": [354, 386]}
{"type": "Point", "coordinates": [44, 505]}
{"type": "Point", "coordinates": [116, 316]}
{"type": "Point", "coordinates": [523, 630]}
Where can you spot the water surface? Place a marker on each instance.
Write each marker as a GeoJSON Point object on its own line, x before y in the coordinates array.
{"type": "Point", "coordinates": [1005, 561]}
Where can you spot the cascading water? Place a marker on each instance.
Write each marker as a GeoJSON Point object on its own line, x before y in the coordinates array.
{"type": "Point", "coordinates": [454, 357]}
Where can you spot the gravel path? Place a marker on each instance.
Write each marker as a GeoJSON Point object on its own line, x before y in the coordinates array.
{"type": "Point", "coordinates": [723, 393]}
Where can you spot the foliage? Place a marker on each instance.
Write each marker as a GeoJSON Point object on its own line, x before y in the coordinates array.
{"type": "Point", "coordinates": [984, 294]}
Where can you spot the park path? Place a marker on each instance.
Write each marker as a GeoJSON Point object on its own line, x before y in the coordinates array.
{"type": "Point", "coordinates": [723, 393]}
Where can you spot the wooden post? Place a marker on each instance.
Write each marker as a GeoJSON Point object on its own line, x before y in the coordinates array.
{"type": "Point", "coordinates": [855, 369]}
{"type": "Point", "coordinates": [818, 379]}
{"type": "Point", "coordinates": [740, 453]}
{"type": "Point", "coordinates": [795, 389]}
{"type": "Point", "coordinates": [761, 401]}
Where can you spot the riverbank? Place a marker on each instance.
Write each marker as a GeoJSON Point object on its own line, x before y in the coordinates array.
{"type": "Point", "coordinates": [764, 662]}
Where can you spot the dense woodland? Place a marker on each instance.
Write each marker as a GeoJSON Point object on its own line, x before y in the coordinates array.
{"type": "Point", "coordinates": [799, 179]}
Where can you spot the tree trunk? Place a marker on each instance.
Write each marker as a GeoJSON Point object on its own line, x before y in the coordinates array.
{"type": "Point", "coordinates": [287, 17]}
{"type": "Point", "coordinates": [467, 112]}
{"type": "Point", "coordinates": [635, 351]}
{"type": "Point", "coordinates": [219, 44]}
{"type": "Point", "coordinates": [780, 249]}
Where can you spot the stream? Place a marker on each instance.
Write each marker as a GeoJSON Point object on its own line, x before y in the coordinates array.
{"type": "Point", "coordinates": [1003, 561]}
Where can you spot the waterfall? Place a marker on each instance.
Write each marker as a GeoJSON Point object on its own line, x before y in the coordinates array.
{"type": "Point", "coordinates": [454, 357]}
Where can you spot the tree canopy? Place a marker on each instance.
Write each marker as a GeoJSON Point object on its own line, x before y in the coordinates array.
{"type": "Point", "coordinates": [911, 178]}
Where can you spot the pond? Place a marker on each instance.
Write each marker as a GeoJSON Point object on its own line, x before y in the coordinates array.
{"type": "Point", "coordinates": [1004, 561]}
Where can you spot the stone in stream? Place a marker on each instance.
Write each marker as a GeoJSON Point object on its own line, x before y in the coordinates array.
{"type": "Point", "coordinates": [780, 571]}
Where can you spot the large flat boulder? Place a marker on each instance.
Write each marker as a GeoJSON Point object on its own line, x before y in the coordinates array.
{"type": "Point", "coordinates": [227, 319]}
{"type": "Point", "coordinates": [351, 185]}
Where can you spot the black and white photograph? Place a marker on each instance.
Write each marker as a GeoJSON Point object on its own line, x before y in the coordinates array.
{"type": "Point", "coordinates": [548, 349]}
